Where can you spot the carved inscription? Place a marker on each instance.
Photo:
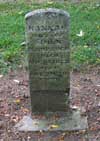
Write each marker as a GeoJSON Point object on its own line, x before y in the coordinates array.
{"type": "Point", "coordinates": [49, 53]}
{"type": "Point", "coordinates": [48, 48]}
{"type": "Point", "coordinates": [45, 28]}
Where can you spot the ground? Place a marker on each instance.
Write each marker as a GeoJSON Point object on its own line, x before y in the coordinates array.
{"type": "Point", "coordinates": [15, 103]}
{"type": "Point", "coordinates": [85, 86]}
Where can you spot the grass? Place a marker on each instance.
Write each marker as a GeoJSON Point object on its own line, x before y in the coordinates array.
{"type": "Point", "coordinates": [85, 50]}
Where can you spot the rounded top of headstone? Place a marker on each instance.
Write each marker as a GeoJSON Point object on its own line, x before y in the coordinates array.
{"type": "Point", "coordinates": [41, 11]}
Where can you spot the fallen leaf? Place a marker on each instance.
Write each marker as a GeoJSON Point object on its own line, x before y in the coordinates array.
{"type": "Point", "coordinates": [7, 115]}
{"type": "Point", "coordinates": [53, 126]}
{"type": "Point", "coordinates": [98, 85]}
{"type": "Point", "coordinates": [28, 137]}
{"type": "Point", "coordinates": [20, 13]}
{"type": "Point", "coordinates": [23, 43]}
{"type": "Point", "coordinates": [98, 119]}
{"type": "Point", "coordinates": [14, 119]}
{"type": "Point", "coordinates": [99, 104]}
{"type": "Point", "coordinates": [97, 5]}
{"type": "Point", "coordinates": [1, 76]}
{"type": "Point", "coordinates": [80, 34]}
{"type": "Point", "coordinates": [96, 90]}
{"type": "Point", "coordinates": [17, 81]}
{"type": "Point", "coordinates": [93, 129]}
{"type": "Point", "coordinates": [85, 46]}
{"type": "Point", "coordinates": [25, 110]}
{"type": "Point", "coordinates": [17, 101]}
{"type": "Point", "coordinates": [74, 107]}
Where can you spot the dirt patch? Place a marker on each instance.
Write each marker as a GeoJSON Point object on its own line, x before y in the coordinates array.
{"type": "Point", "coordinates": [15, 103]}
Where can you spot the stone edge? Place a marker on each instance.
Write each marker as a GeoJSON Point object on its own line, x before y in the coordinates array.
{"type": "Point", "coordinates": [38, 11]}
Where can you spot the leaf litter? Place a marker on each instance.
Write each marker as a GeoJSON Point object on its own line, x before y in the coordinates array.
{"type": "Point", "coordinates": [85, 96]}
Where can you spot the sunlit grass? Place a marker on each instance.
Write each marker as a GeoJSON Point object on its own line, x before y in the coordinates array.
{"type": "Point", "coordinates": [84, 17]}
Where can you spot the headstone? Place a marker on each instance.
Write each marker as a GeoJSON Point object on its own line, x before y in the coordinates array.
{"type": "Point", "coordinates": [47, 34]}
{"type": "Point", "coordinates": [49, 52]}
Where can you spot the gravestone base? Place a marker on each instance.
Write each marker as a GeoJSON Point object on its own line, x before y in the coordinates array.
{"type": "Point", "coordinates": [54, 122]}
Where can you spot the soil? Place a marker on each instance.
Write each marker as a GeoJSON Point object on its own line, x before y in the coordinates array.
{"type": "Point", "coordinates": [15, 103]}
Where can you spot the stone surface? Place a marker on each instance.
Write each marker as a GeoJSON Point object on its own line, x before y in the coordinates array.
{"type": "Point", "coordinates": [65, 122]}
{"type": "Point", "coordinates": [47, 32]}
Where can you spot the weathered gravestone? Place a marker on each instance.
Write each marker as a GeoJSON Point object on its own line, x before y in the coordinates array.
{"type": "Point", "coordinates": [47, 33]}
{"type": "Point", "coordinates": [48, 49]}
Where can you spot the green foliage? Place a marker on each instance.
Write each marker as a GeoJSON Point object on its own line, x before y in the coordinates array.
{"type": "Point", "coordinates": [85, 17]}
